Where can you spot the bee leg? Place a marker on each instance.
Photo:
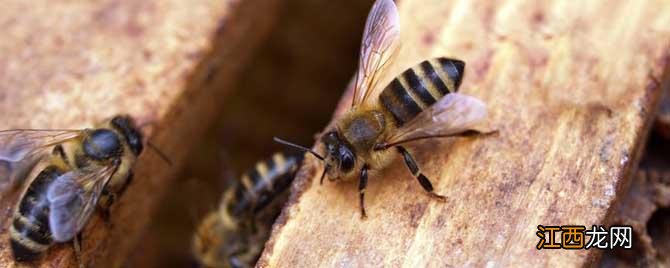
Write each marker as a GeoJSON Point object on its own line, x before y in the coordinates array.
{"type": "Point", "coordinates": [104, 207]}
{"type": "Point", "coordinates": [234, 259]}
{"type": "Point", "coordinates": [252, 226]}
{"type": "Point", "coordinates": [235, 262]}
{"type": "Point", "coordinates": [414, 169]}
{"type": "Point", "coordinates": [323, 175]}
{"type": "Point", "coordinates": [76, 242]}
{"type": "Point", "coordinates": [362, 184]}
{"type": "Point", "coordinates": [111, 197]}
{"type": "Point", "coordinates": [126, 183]}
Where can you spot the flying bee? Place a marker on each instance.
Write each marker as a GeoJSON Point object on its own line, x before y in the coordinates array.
{"type": "Point", "coordinates": [420, 103]}
{"type": "Point", "coordinates": [234, 235]}
{"type": "Point", "coordinates": [80, 170]}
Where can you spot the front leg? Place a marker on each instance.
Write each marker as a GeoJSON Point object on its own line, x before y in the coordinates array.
{"type": "Point", "coordinates": [105, 205]}
{"type": "Point", "coordinates": [323, 175]}
{"type": "Point", "coordinates": [362, 184]}
{"type": "Point", "coordinates": [111, 197]}
{"type": "Point", "coordinates": [126, 183]}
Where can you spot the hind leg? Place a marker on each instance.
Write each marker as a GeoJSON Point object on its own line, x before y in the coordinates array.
{"type": "Point", "coordinates": [76, 243]}
{"type": "Point", "coordinates": [414, 169]}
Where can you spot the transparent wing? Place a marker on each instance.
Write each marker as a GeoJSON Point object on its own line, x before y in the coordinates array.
{"type": "Point", "coordinates": [12, 174]}
{"type": "Point", "coordinates": [19, 144]}
{"type": "Point", "coordinates": [380, 41]}
{"type": "Point", "coordinates": [452, 115]}
{"type": "Point", "coordinates": [73, 197]}
{"type": "Point", "coordinates": [21, 149]}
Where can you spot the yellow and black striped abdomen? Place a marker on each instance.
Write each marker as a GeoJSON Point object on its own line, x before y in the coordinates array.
{"type": "Point", "coordinates": [260, 185]}
{"type": "Point", "coordinates": [419, 87]}
{"type": "Point", "coordinates": [234, 237]}
{"type": "Point", "coordinates": [30, 233]}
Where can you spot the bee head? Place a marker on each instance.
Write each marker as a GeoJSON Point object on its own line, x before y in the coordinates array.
{"type": "Point", "coordinates": [338, 154]}
{"type": "Point", "coordinates": [126, 125]}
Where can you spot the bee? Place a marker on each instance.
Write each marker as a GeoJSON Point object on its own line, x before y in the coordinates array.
{"type": "Point", "coordinates": [420, 103]}
{"type": "Point", "coordinates": [234, 235]}
{"type": "Point", "coordinates": [77, 171]}
{"type": "Point", "coordinates": [663, 116]}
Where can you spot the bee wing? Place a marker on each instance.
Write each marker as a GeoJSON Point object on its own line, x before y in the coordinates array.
{"type": "Point", "coordinates": [12, 173]}
{"type": "Point", "coordinates": [452, 115]}
{"type": "Point", "coordinates": [73, 197]}
{"type": "Point", "coordinates": [19, 144]}
{"type": "Point", "coordinates": [380, 41]}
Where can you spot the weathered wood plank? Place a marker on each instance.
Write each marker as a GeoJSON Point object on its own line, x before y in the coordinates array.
{"type": "Point", "coordinates": [71, 64]}
{"type": "Point", "coordinates": [297, 63]}
{"type": "Point", "coordinates": [571, 87]}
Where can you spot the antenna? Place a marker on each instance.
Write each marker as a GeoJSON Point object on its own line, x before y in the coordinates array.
{"type": "Point", "coordinates": [160, 153]}
{"type": "Point", "coordinates": [301, 148]}
{"type": "Point", "coordinates": [145, 124]}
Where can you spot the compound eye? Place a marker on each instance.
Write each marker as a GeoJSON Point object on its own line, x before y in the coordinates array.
{"type": "Point", "coordinates": [102, 144]}
{"type": "Point", "coordinates": [132, 135]}
{"type": "Point", "coordinates": [347, 159]}
{"type": "Point", "coordinates": [330, 137]}
{"type": "Point", "coordinates": [331, 142]}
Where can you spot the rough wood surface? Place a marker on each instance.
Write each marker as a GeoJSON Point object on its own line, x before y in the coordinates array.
{"type": "Point", "coordinates": [646, 207]}
{"type": "Point", "coordinates": [571, 86]}
{"type": "Point", "coordinates": [297, 63]}
{"type": "Point", "coordinates": [70, 64]}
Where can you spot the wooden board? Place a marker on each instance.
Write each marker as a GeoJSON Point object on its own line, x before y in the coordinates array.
{"type": "Point", "coordinates": [646, 207]}
{"type": "Point", "coordinates": [71, 64]}
{"type": "Point", "coordinates": [570, 86]}
{"type": "Point", "coordinates": [268, 100]}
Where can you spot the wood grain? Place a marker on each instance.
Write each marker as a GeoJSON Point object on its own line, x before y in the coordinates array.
{"type": "Point", "coordinates": [297, 63]}
{"type": "Point", "coordinates": [572, 88]}
{"type": "Point", "coordinates": [70, 64]}
{"type": "Point", "coordinates": [646, 207]}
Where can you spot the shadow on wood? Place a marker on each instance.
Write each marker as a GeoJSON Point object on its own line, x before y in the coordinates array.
{"type": "Point", "coordinates": [305, 61]}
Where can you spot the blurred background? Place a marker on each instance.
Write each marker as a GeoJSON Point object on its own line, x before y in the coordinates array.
{"type": "Point", "coordinates": [289, 90]}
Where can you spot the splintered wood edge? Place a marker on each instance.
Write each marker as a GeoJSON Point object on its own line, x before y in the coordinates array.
{"type": "Point", "coordinates": [232, 39]}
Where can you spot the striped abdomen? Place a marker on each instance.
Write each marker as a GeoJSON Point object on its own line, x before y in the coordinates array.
{"type": "Point", "coordinates": [30, 234]}
{"type": "Point", "coordinates": [259, 186]}
{"type": "Point", "coordinates": [421, 86]}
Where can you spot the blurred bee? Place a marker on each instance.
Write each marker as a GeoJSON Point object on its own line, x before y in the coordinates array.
{"type": "Point", "coordinates": [234, 235]}
{"type": "Point", "coordinates": [663, 116]}
{"type": "Point", "coordinates": [420, 103]}
{"type": "Point", "coordinates": [73, 172]}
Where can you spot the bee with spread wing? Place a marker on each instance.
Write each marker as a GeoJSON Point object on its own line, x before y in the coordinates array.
{"type": "Point", "coordinates": [420, 103]}
{"type": "Point", "coordinates": [80, 170]}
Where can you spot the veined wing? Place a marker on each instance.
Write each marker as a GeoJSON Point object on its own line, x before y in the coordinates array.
{"type": "Point", "coordinates": [381, 39]}
{"type": "Point", "coordinates": [19, 144]}
{"type": "Point", "coordinates": [452, 115]}
{"type": "Point", "coordinates": [73, 197]}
